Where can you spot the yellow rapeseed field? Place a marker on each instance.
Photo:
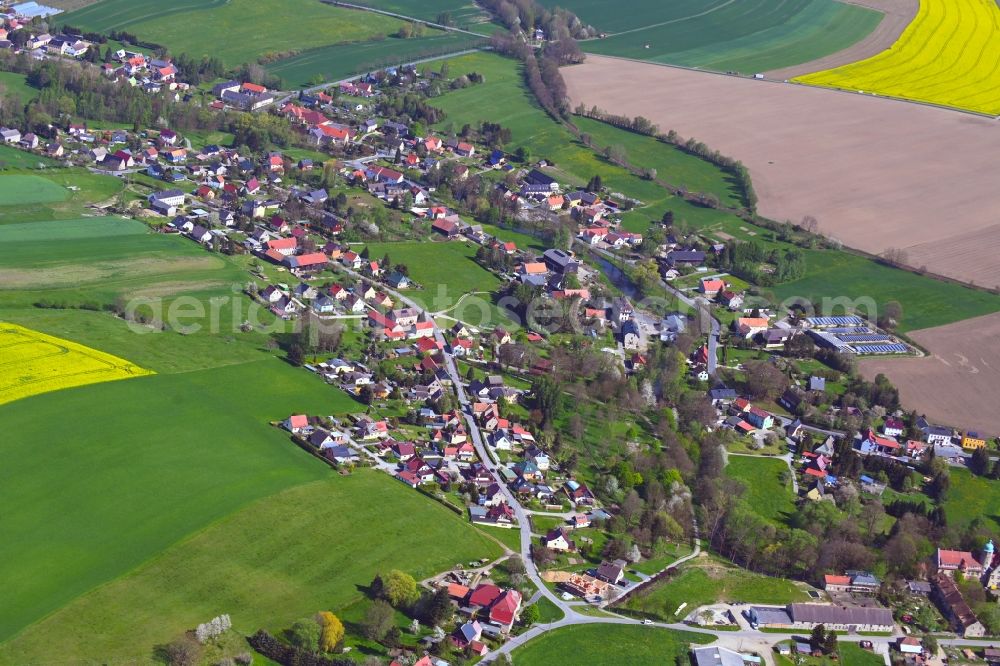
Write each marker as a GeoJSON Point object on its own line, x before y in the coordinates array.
{"type": "Point", "coordinates": [33, 363]}
{"type": "Point", "coordinates": [948, 55]}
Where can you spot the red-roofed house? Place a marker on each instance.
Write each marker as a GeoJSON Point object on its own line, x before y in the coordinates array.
{"type": "Point", "coordinates": [836, 583]}
{"type": "Point", "coordinates": [504, 611]}
{"type": "Point", "coordinates": [284, 246]}
{"type": "Point", "coordinates": [711, 287]}
{"type": "Point", "coordinates": [950, 561]}
{"type": "Point", "coordinates": [295, 423]}
{"type": "Point", "coordinates": [484, 595]}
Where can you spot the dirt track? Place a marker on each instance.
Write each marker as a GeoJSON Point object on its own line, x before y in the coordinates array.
{"type": "Point", "coordinates": [876, 173]}
{"type": "Point", "coordinates": [957, 385]}
{"type": "Point", "coordinates": [898, 15]}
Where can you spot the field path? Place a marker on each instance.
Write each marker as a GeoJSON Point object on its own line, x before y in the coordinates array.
{"type": "Point", "coordinates": [681, 19]}
{"type": "Point", "coordinates": [898, 15]}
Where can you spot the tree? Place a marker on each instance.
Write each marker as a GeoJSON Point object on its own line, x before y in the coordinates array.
{"type": "Point", "coordinates": [931, 645]}
{"type": "Point", "coordinates": [830, 642]}
{"type": "Point", "coordinates": [530, 615]}
{"type": "Point", "coordinates": [332, 631]}
{"type": "Point", "coordinates": [305, 634]}
{"type": "Point", "coordinates": [765, 380]}
{"type": "Point", "coordinates": [438, 608]}
{"type": "Point", "coordinates": [818, 637]}
{"type": "Point", "coordinates": [980, 462]}
{"type": "Point", "coordinates": [378, 620]}
{"type": "Point", "coordinates": [182, 652]}
{"type": "Point", "coordinates": [400, 588]}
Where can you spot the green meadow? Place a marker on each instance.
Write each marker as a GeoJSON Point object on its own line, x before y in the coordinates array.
{"type": "Point", "coordinates": [765, 492]}
{"type": "Point", "coordinates": [50, 194]}
{"type": "Point", "coordinates": [462, 13]}
{"type": "Point", "coordinates": [309, 548]}
{"type": "Point", "coordinates": [251, 28]}
{"type": "Point", "coordinates": [29, 189]}
{"type": "Point", "coordinates": [446, 270]}
{"type": "Point", "coordinates": [608, 644]}
{"type": "Point", "coordinates": [706, 583]}
{"type": "Point", "coordinates": [139, 465]}
{"type": "Point", "coordinates": [13, 85]}
{"type": "Point", "coordinates": [751, 36]}
{"type": "Point", "coordinates": [340, 61]}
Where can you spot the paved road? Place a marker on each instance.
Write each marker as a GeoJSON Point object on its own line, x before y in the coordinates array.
{"type": "Point", "coordinates": [697, 304]}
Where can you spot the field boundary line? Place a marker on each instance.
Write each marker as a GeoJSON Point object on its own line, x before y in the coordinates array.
{"type": "Point", "coordinates": [843, 91]}
{"type": "Point", "coordinates": [404, 17]}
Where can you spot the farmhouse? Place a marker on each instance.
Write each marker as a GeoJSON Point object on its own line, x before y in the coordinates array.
{"type": "Point", "coordinates": [955, 609]}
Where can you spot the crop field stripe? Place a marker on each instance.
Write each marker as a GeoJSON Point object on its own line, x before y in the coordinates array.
{"type": "Point", "coordinates": [117, 14]}
{"type": "Point", "coordinates": [723, 3]}
{"type": "Point", "coordinates": [948, 55]}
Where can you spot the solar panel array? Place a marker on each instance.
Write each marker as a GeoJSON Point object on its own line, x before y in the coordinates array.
{"type": "Point", "coordinates": [849, 329]}
{"type": "Point", "coordinates": [864, 337]}
{"type": "Point", "coordinates": [849, 320]}
{"type": "Point", "coordinates": [894, 348]}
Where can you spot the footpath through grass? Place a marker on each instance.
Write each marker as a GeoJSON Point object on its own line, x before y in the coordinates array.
{"type": "Point", "coordinates": [311, 548]}
{"type": "Point", "coordinates": [609, 645]}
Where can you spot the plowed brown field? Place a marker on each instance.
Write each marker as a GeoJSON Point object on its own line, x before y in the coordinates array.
{"type": "Point", "coordinates": [876, 173]}
{"type": "Point", "coordinates": [957, 385]}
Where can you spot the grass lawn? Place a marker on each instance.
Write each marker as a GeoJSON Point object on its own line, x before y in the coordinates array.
{"type": "Point", "coordinates": [446, 270]}
{"type": "Point", "coordinates": [706, 581]}
{"type": "Point", "coordinates": [286, 556]}
{"type": "Point", "coordinates": [251, 28]}
{"type": "Point", "coordinates": [971, 497]}
{"type": "Point", "coordinates": [852, 655]}
{"type": "Point", "coordinates": [14, 158]}
{"type": "Point", "coordinates": [547, 611]}
{"type": "Point", "coordinates": [766, 494]}
{"type": "Point", "coordinates": [508, 537]}
{"type": "Point", "coordinates": [55, 194]}
{"type": "Point", "coordinates": [16, 85]}
{"type": "Point", "coordinates": [604, 644]}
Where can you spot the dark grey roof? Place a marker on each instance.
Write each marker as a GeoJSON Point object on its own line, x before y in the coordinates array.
{"type": "Point", "coordinates": [826, 614]}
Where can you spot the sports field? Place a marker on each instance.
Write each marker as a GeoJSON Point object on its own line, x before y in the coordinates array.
{"type": "Point", "coordinates": [608, 644]}
{"type": "Point", "coordinates": [251, 28]}
{"type": "Point", "coordinates": [340, 61]}
{"type": "Point", "coordinates": [32, 363]}
{"type": "Point", "coordinates": [723, 35]}
{"type": "Point", "coordinates": [949, 55]}
{"type": "Point", "coordinates": [284, 557]}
